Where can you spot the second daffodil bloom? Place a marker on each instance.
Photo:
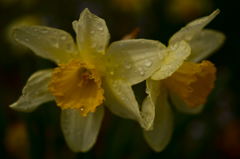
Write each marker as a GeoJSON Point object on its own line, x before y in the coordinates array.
{"type": "Point", "coordinates": [90, 74]}
{"type": "Point", "coordinates": [181, 78]}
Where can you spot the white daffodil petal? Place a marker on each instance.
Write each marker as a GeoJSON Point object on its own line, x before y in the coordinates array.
{"type": "Point", "coordinates": [177, 53]}
{"type": "Point", "coordinates": [205, 43]}
{"type": "Point", "coordinates": [81, 132]}
{"type": "Point", "coordinates": [153, 89]}
{"type": "Point", "coordinates": [183, 107]}
{"type": "Point", "coordinates": [160, 135]}
{"type": "Point", "coordinates": [120, 99]}
{"type": "Point", "coordinates": [148, 106]}
{"type": "Point", "coordinates": [147, 113]}
{"type": "Point", "coordinates": [35, 92]}
{"type": "Point", "coordinates": [192, 28]}
{"type": "Point", "coordinates": [92, 33]}
{"type": "Point", "coordinates": [50, 43]}
{"type": "Point", "coordinates": [135, 60]}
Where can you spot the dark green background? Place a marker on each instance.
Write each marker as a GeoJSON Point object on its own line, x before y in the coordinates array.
{"type": "Point", "coordinates": [214, 133]}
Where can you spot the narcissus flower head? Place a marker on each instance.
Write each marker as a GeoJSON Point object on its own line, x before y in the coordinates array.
{"type": "Point", "coordinates": [89, 74]}
{"type": "Point", "coordinates": [182, 78]}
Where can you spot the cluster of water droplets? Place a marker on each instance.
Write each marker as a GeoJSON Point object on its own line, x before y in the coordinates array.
{"type": "Point", "coordinates": [118, 90]}
{"type": "Point", "coordinates": [141, 69]}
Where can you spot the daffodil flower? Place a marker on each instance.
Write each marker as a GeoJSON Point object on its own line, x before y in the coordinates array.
{"type": "Point", "coordinates": [181, 78]}
{"type": "Point", "coordinates": [90, 74]}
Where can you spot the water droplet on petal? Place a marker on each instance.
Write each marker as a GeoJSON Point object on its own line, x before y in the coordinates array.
{"type": "Point", "coordinates": [93, 45]}
{"type": "Point", "coordinates": [56, 45]}
{"type": "Point", "coordinates": [44, 31]}
{"type": "Point", "coordinates": [148, 63]}
{"type": "Point", "coordinates": [82, 109]}
{"type": "Point", "coordinates": [128, 66]}
{"type": "Point", "coordinates": [63, 37]}
{"type": "Point", "coordinates": [100, 28]}
{"type": "Point", "coordinates": [141, 73]}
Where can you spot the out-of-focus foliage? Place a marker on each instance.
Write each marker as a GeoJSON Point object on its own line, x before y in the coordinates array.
{"type": "Point", "coordinates": [211, 134]}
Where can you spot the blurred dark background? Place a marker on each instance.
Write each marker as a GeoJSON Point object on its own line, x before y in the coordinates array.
{"type": "Point", "coordinates": [214, 133]}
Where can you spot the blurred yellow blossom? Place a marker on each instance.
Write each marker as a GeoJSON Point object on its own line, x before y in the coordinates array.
{"type": "Point", "coordinates": [185, 10]}
{"type": "Point", "coordinates": [131, 5]}
{"type": "Point", "coordinates": [16, 140]}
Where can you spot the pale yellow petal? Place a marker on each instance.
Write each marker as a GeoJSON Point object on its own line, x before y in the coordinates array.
{"type": "Point", "coordinates": [177, 53]}
{"type": "Point", "coordinates": [161, 133]}
{"type": "Point", "coordinates": [135, 60]}
{"type": "Point", "coordinates": [35, 92]}
{"type": "Point", "coordinates": [50, 43]}
{"type": "Point", "coordinates": [204, 44]}
{"type": "Point", "coordinates": [81, 132]}
{"type": "Point", "coordinates": [191, 29]}
{"type": "Point", "coordinates": [120, 99]}
{"type": "Point", "coordinates": [148, 105]}
{"type": "Point", "coordinates": [147, 113]}
{"type": "Point", "coordinates": [92, 34]}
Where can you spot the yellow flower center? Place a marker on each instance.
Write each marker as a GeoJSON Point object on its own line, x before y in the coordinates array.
{"type": "Point", "coordinates": [77, 85]}
{"type": "Point", "coordinates": [193, 82]}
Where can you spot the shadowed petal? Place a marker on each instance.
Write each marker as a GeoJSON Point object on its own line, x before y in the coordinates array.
{"type": "Point", "coordinates": [35, 92]}
{"type": "Point", "coordinates": [161, 132]}
{"type": "Point", "coordinates": [205, 43]}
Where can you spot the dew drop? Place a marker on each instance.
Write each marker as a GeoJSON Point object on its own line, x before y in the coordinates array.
{"type": "Point", "coordinates": [148, 63]}
{"type": "Point", "coordinates": [93, 45]}
{"type": "Point", "coordinates": [141, 71]}
{"type": "Point", "coordinates": [100, 29]}
{"type": "Point", "coordinates": [56, 45]}
{"type": "Point", "coordinates": [82, 109]}
{"type": "Point", "coordinates": [44, 31]}
{"type": "Point", "coordinates": [63, 37]}
{"type": "Point", "coordinates": [128, 66]}
{"type": "Point", "coordinates": [111, 73]}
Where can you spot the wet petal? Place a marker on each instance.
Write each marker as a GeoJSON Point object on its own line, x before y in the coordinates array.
{"type": "Point", "coordinates": [192, 28]}
{"type": "Point", "coordinates": [148, 105]}
{"type": "Point", "coordinates": [92, 33]}
{"type": "Point", "coordinates": [81, 132]}
{"type": "Point", "coordinates": [50, 43]}
{"type": "Point", "coordinates": [205, 43]}
{"type": "Point", "coordinates": [161, 133]}
{"type": "Point", "coordinates": [35, 92]}
{"type": "Point", "coordinates": [120, 99]}
{"type": "Point", "coordinates": [177, 53]}
{"type": "Point", "coordinates": [135, 60]}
